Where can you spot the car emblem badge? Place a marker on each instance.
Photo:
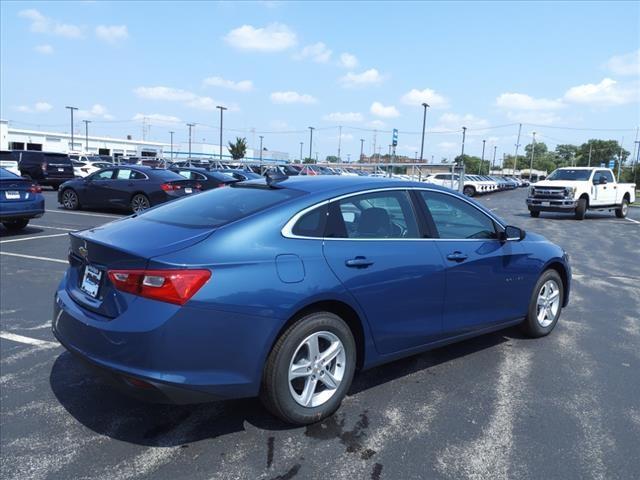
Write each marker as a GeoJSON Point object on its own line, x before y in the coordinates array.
{"type": "Point", "coordinates": [84, 253]}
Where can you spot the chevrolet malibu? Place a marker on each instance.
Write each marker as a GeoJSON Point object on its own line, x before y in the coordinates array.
{"type": "Point", "coordinates": [284, 288]}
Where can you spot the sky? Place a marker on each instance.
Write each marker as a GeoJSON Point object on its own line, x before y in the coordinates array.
{"type": "Point", "coordinates": [567, 71]}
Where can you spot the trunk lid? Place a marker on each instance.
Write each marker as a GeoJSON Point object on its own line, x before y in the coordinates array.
{"type": "Point", "coordinates": [15, 190]}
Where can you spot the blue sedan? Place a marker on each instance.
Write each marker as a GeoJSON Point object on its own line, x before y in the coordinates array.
{"type": "Point", "coordinates": [284, 288]}
{"type": "Point", "coordinates": [20, 200]}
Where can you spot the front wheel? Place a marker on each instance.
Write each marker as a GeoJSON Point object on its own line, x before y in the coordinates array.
{"type": "Point", "coordinates": [16, 224]}
{"type": "Point", "coordinates": [309, 369]}
{"type": "Point", "coordinates": [581, 209]}
{"type": "Point", "coordinates": [140, 203]}
{"type": "Point", "coordinates": [623, 209]}
{"type": "Point", "coordinates": [545, 305]}
{"type": "Point", "coordinates": [534, 213]}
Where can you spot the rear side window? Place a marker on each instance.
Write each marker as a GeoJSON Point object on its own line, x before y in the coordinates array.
{"type": "Point", "coordinates": [311, 224]}
{"type": "Point", "coordinates": [220, 206]}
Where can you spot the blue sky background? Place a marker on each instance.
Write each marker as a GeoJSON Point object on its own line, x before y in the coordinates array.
{"type": "Point", "coordinates": [561, 68]}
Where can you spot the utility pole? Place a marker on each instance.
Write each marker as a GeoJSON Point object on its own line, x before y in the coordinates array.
{"type": "Point", "coordinates": [339, 141]}
{"type": "Point", "coordinates": [375, 133]}
{"type": "Point", "coordinates": [311, 142]}
{"type": "Point", "coordinates": [461, 172]}
{"type": "Point", "coordinates": [222, 109]}
{"type": "Point", "coordinates": [515, 160]}
{"type": "Point", "coordinates": [493, 163]}
{"type": "Point", "coordinates": [482, 159]}
{"type": "Point", "coordinates": [590, 149]}
{"type": "Point", "coordinates": [424, 124]}
{"type": "Point", "coordinates": [261, 137]}
{"type": "Point", "coordinates": [361, 148]}
{"type": "Point", "coordinates": [171, 154]}
{"type": "Point", "coordinates": [533, 150]}
{"type": "Point", "coordinates": [190, 125]}
{"type": "Point", "coordinates": [86, 135]}
{"type": "Point", "coordinates": [71, 109]}
{"type": "Point", "coordinates": [301, 144]}
{"type": "Point", "coordinates": [620, 158]}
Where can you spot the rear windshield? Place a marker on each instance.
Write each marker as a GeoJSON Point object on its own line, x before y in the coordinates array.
{"type": "Point", "coordinates": [568, 174]}
{"type": "Point", "coordinates": [4, 173]}
{"type": "Point", "coordinates": [163, 174]}
{"type": "Point", "coordinates": [219, 206]}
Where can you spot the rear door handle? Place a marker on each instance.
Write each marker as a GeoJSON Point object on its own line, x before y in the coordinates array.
{"type": "Point", "coordinates": [358, 262]}
{"type": "Point", "coordinates": [457, 257]}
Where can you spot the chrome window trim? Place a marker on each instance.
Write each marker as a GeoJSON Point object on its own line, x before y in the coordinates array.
{"type": "Point", "coordinates": [287, 230]}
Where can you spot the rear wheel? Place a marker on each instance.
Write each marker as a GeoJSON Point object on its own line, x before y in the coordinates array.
{"type": "Point", "coordinates": [309, 369]}
{"type": "Point", "coordinates": [545, 305]}
{"type": "Point", "coordinates": [534, 213]}
{"type": "Point", "coordinates": [70, 199]}
{"type": "Point", "coordinates": [623, 209]}
{"type": "Point", "coordinates": [16, 224]}
{"type": "Point", "coordinates": [469, 191]}
{"type": "Point", "coordinates": [581, 209]}
{"type": "Point", "coordinates": [140, 203]}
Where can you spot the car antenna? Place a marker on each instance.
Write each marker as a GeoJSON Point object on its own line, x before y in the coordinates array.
{"type": "Point", "coordinates": [275, 176]}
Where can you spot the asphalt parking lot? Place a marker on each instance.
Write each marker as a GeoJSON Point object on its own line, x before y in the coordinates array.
{"type": "Point", "coordinates": [498, 406]}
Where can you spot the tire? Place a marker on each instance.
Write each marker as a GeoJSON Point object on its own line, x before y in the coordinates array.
{"type": "Point", "coordinates": [469, 191]}
{"type": "Point", "coordinates": [15, 225]}
{"type": "Point", "coordinates": [581, 209]}
{"type": "Point", "coordinates": [286, 399]}
{"type": "Point", "coordinates": [545, 305]}
{"type": "Point", "coordinates": [534, 213]}
{"type": "Point", "coordinates": [70, 200]}
{"type": "Point", "coordinates": [140, 203]}
{"type": "Point", "coordinates": [55, 187]}
{"type": "Point", "coordinates": [621, 212]}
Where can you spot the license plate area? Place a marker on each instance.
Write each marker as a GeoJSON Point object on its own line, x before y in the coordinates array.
{"type": "Point", "coordinates": [91, 281]}
{"type": "Point", "coordinates": [188, 190]}
{"type": "Point", "coordinates": [12, 195]}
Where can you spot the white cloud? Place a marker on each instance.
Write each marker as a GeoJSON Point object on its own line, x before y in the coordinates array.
{"type": "Point", "coordinates": [43, 24]}
{"type": "Point", "coordinates": [345, 117]}
{"type": "Point", "coordinates": [38, 107]}
{"type": "Point", "coordinates": [44, 49]}
{"type": "Point", "coordinates": [348, 60]}
{"type": "Point", "coordinates": [429, 96]}
{"type": "Point", "coordinates": [454, 121]}
{"type": "Point", "coordinates": [96, 111]}
{"type": "Point", "coordinates": [626, 64]}
{"type": "Point", "coordinates": [158, 117]}
{"type": "Point", "coordinates": [292, 97]}
{"type": "Point", "coordinates": [606, 93]}
{"type": "Point", "coordinates": [274, 37]}
{"type": "Point", "coordinates": [380, 110]}
{"type": "Point", "coordinates": [241, 86]}
{"type": "Point", "coordinates": [112, 33]}
{"type": "Point", "coordinates": [368, 77]}
{"type": "Point", "coordinates": [522, 101]}
{"type": "Point", "coordinates": [318, 52]}
{"type": "Point", "coordinates": [186, 97]}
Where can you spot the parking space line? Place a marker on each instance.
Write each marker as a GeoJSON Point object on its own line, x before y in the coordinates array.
{"type": "Point", "coordinates": [632, 220]}
{"type": "Point", "coordinates": [55, 228]}
{"type": "Point", "coordinates": [85, 214]}
{"type": "Point", "coordinates": [24, 239]}
{"type": "Point", "coordinates": [33, 257]}
{"type": "Point", "coordinates": [28, 340]}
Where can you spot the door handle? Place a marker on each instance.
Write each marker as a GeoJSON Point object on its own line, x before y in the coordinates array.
{"type": "Point", "coordinates": [457, 257]}
{"type": "Point", "coordinates": [358, 262]}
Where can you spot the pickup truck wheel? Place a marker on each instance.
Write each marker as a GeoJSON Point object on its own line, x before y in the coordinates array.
{"type": "Point", "coordinates": [623, 209]}
{"type": "Point", "coordinates": [581, 209]}
{"type": "Point", "coordinates": [534, 213]}
{"type": "Point", "coordinates": [545, 305]}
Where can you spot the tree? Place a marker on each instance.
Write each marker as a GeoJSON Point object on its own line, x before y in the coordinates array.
{"type": "Point", "coordinates": [541, 149]}
{"type": "Point", "coordinates": [565, 152]}
{"type": "Point", "coordinates": [602, 151]}
{"type": "Point", "coordinates": [238, 149]}
{"type": "Point", "coordinates": [308, 160]}
{"type": "Point", "coordinates": [332, 159]}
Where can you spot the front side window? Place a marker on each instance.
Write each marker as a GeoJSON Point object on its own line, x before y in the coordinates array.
{"type": "Point", "coordinates": [456, 219]}
{"type": "Point", "coordinates": [607, 175]}
{"type": "Point", "coordinates": [103, 175]}
{"type": "Point", "coordinates": [381, 215]}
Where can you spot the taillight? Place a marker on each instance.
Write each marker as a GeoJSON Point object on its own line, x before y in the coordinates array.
{"type": "Point", "coordinates": [44, 166]}
{"type": "Point", "coordinates": [167, 187]}
{"type": "Point", "coordinates": [35, 188]}
{"type": "Point", "coordinates": [172, 286]}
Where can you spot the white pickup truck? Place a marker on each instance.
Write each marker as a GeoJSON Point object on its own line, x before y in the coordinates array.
{"type": "Point", "coordinates": [578, 189]}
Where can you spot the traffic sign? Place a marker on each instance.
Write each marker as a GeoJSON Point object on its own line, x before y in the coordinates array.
{"type": "Point", "coordinates": [394, 139]}
{"type": "Point", "coordinates": [612, 163]}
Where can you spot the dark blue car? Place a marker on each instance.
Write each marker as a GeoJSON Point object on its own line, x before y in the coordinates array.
{"type": "Point", "coordinates": [284, 289]}
{"type": "Point", "coordinates": [20, 200]}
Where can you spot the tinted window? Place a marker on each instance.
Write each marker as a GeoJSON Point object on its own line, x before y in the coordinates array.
{"type": "Point", "coordinates": [164, 174]}
{"type": "Point", "coordinates": [602, 173]}
{"type": "Point", "coordinates": [456, 219]}
{"type": "Point", "coordinates": [103, 175]}
{"type": "Point", "coordinates": [374, 215]}
{"type": "Point", "coordinates": [570, 174]}
{"type": "Point", "coordinates": [219, 206]}
{"type": "Point", "coordinates": [137, 175]}
{"type": "Point", "coordinates": [312, 223]}
{"type": "Point", "coordinates": [7, 174]}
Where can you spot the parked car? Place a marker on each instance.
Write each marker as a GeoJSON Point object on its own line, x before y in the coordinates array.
{"type": "Point", "coordinates": [20, 200]}
{"type": "Point", "coordinates": [578, 189]}
{"type": "Point", "coordinates": [205, 179]}
{"type": "Point", "coordinates": [284, 288]}
{"type": "Point", "coordinates": [239, 174]}
{"type": "Point", "coordinates": [45, 168]}
{"type": "Point", "coordinates": [8, 161]}
{"type": "Point", "coordinates": [129, 187]}
{"type": "Point", "coordinates": [82, 168]}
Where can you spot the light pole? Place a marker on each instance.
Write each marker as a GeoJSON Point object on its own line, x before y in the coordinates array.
{"type": "Point", "coordinates": [461, 165]}
{"type": "Point", "coordinates": [171, 154]}
{"type": "Point", "coordinates": [590, 150]}
{"type": "Point", "coordinates": [493, 163]}
{"type": "Point", "coordinates": [515, 160]}
{"type": "Point", "coordinates": [222, 109]}
{"type": "Point", "coordinates": [86, 135]}
{"type": "Point", "coordinates": [361, 149]}
{"type": "Point", "coordinates": [311, 142]}
{"type": "Point", "coordinates": [482, 159]}
{"type": "Point", "coordinates": [424, 124]}
{"type": "Point", "coordinates": [190, 125]}
{"type": "Point", "coordinates": [533, 152]}
{"type": "Point", "coordinates": [339, 141]}
{"type": "Point", "coordinates": [301, 144]}
{"type": "Point", "coordinates": [71, 109]}
{"type": "Point", "coordinates": [261, 137]}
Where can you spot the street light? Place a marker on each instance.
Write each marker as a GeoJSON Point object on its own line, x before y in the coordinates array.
{"type": "Point", "coordinates": [424, 123]}
{"type": "Point", "coordinates": [493, 163]}
{"type": "Point", "coordinates": [261, 137]}
{"type": "Point", "coordinates": [222, 109]}
{"type": "Point", "coordinates": [71, 109]}
{"type": "Point", "coordinates": [482, 159]}
{"type": "Point", "coordinates": [171, 134]}
{"type": "Point", "coordinates": [86, 135]}
{"type": "Point", "coordinates": [361, 148]}
{"type": "Point", "coordinates": [311, 142]}
{"type": "Point", "coordinates": [190, 125]}
{"type": "Point", "coordinates": [461, 165]}
{"type": "Point", "coordinates": [533, 150]}
{"type": "Point", "coordinates": [301, 144]}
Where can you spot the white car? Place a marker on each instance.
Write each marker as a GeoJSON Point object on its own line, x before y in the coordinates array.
{"type": "Point", "coordinates": [88, 165]}
{"type": "Point", "coordinates": [578, 189]}
{"type": "Point", "coordinates": [470, 189]}
{"type": "Point", "coordinates": [10, 165]}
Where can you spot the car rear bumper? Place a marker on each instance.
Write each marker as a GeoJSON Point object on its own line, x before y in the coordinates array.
{"type": "Point", "coordinates": [164, 353]}
{"type": "Point", "coordinates": [559, 205]}
{"type": "Point", "coordinates": [23, 209]}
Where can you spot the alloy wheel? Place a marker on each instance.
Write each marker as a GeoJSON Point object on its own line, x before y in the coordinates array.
{"type": "Point", "coordinates": [548, 303]}
{"type": "Point", "coordinates": [70, 200]}
{"type": "Point", "coordinates": [139, 203]}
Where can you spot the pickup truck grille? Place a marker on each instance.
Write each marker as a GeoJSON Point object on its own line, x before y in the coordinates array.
{"type": "Point", "coordinates": [549, 193]}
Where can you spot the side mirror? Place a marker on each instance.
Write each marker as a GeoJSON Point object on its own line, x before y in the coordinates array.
{"type": "Point", "coordinates": [602, 181]}
{"type": "Point", "coordinates": [512, 233]}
